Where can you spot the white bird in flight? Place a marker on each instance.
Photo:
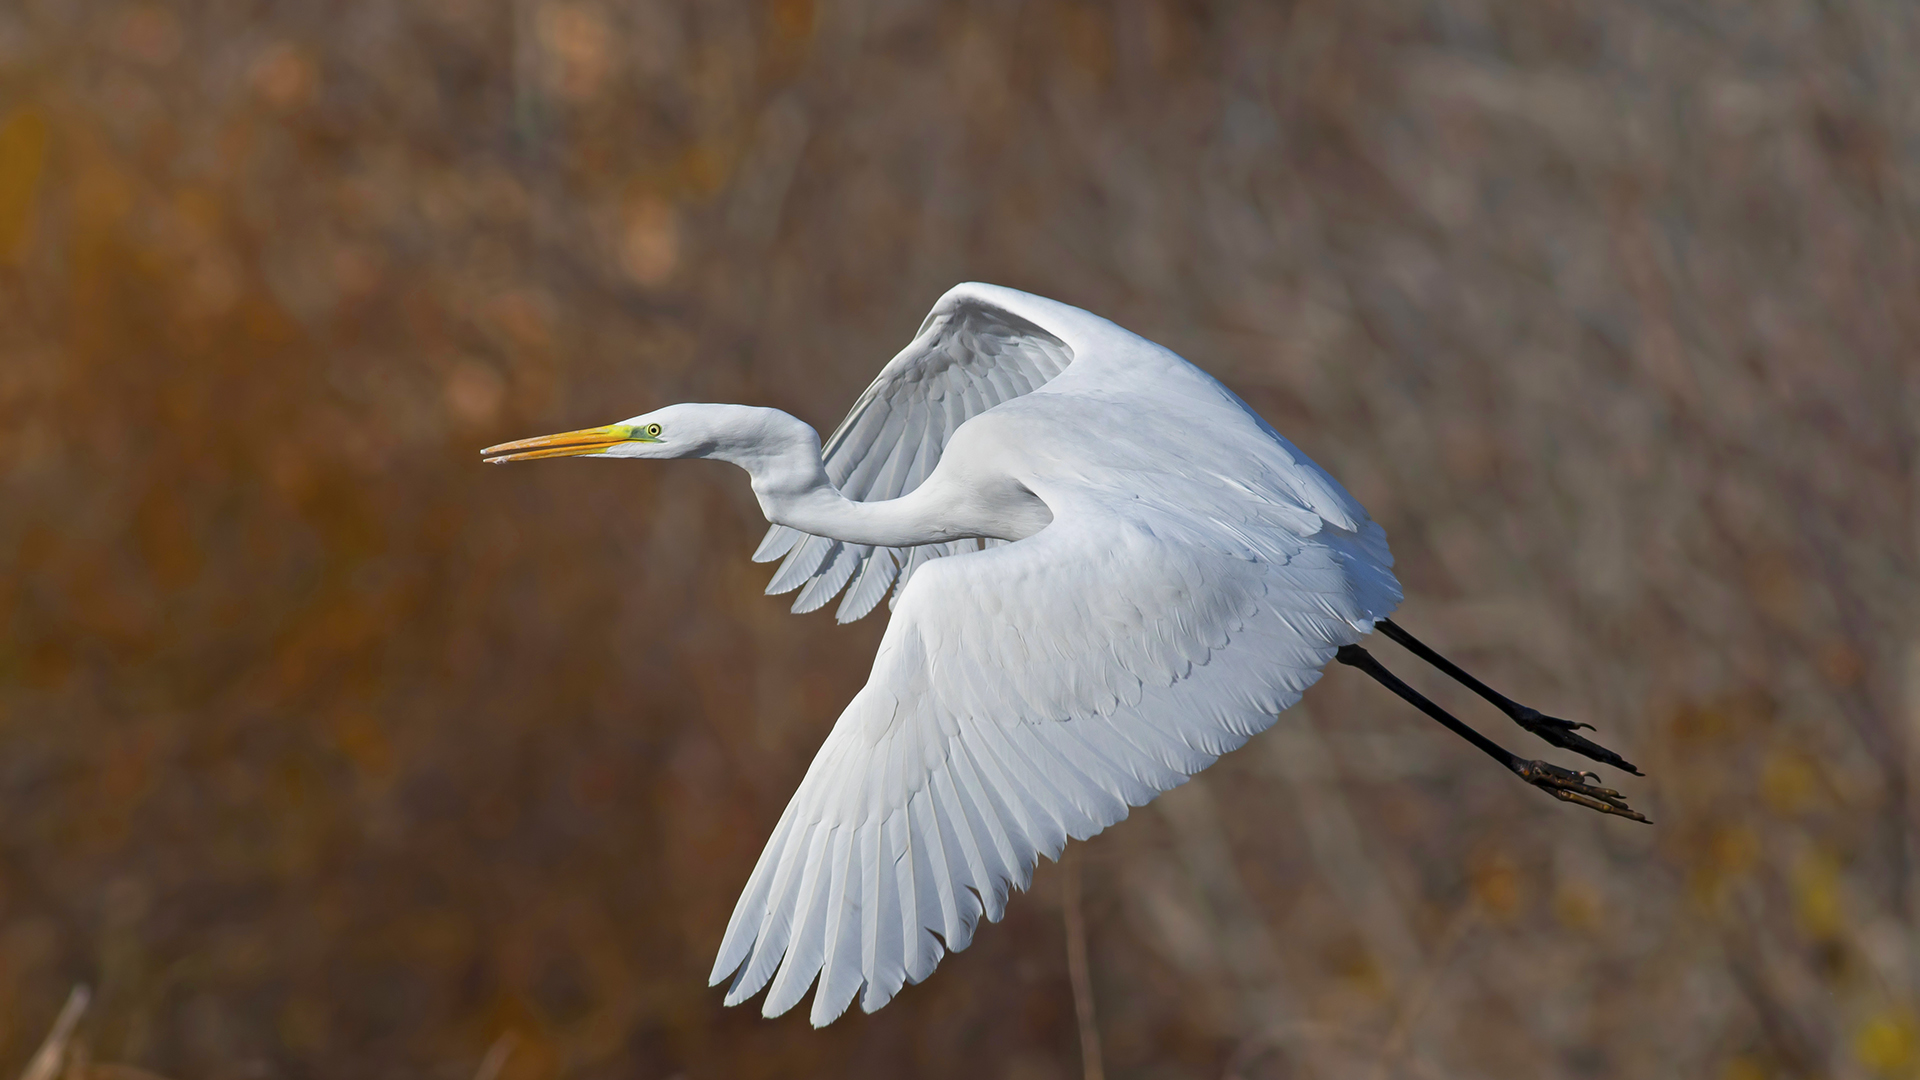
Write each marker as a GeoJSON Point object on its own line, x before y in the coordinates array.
{"type": "Point", "coordinates": [1107, 570]}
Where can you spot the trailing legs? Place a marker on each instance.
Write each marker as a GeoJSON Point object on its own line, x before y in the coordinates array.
{"type": "Point", "coordinates": [1564, 784]}
{"type": "Point", "coordinates": [1561, 733]}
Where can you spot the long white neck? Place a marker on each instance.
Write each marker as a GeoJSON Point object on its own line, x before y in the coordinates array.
{"type": "Point", "coordinates": [822, 511]}
{"type": "Point", "coordinates": [781, 455]}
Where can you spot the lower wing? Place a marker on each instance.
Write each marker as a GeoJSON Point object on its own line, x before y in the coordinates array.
{"type": "Point", "coordinates": [1023, 695]}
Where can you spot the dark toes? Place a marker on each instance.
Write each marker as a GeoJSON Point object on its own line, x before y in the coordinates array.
{"type": "Point", "coordinates": [1564, 734]}
{"type": "Point", "coordinates": [1574, 787]}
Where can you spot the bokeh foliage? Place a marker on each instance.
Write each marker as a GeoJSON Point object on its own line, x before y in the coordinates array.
{"type": "Point", "coordinates": [326, 752]}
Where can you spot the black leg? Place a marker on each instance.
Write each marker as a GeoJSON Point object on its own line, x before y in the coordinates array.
{"type": "Point", "coordinates": [1564, 784]}
{"type": "Point", "coordinates": [1561, 733]}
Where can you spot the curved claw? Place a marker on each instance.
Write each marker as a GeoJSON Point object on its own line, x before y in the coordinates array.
{"type": "Point", "coordinates": [1568, 785]}
{"type": "Point", "coordinates": [1562, 733]}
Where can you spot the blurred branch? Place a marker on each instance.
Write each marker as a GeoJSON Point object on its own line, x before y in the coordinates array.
{"type": "Point", "coordinates": [1077, 967]}
{"type": "Point", "coordinates": [496, 1059]}
{"type": "Point", "coordinates": [46, 1062]}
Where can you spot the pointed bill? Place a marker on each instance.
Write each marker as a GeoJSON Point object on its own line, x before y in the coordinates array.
{"type": "Point", "coordinates": [594, 440]}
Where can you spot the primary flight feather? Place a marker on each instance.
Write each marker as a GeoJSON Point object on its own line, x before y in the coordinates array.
{"type": "Point", "coordinates": [1106, 571]}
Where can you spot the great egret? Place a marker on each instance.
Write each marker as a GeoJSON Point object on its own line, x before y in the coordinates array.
{"type": "Point", "coordinates": [1107, 571]}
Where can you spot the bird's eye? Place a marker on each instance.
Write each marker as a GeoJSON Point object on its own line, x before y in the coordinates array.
{"type": "Point", "coordinates": [653, 431]}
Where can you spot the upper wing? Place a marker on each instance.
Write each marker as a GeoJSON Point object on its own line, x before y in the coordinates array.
{"type": "Point", "coordinates": [1026, 694]}
{"type": "Point", "coordinates": [969, 356]}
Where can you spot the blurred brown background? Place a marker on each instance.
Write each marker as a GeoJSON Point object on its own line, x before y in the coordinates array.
{"type": "Point", "coordinates": [326, 752]}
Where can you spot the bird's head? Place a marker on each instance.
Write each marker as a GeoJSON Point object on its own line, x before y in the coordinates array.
{"type": "Point", "coordinates": [677, 431]}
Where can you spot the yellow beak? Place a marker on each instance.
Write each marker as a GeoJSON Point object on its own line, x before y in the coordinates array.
{"type": "Point", "coordinates": [593, 440]}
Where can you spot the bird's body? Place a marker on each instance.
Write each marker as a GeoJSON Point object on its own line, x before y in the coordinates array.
{"type": "Point", "coordinates": [1108, 571]}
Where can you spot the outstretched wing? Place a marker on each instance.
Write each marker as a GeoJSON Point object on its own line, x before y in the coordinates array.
{"type": "Point", "coordinates": [969, 356]}
{"type": "Point", "coordinates": [1027, 694]}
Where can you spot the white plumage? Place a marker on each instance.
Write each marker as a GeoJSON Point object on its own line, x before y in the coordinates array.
{"type": "Point", "coordinates": [1162, 574]}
